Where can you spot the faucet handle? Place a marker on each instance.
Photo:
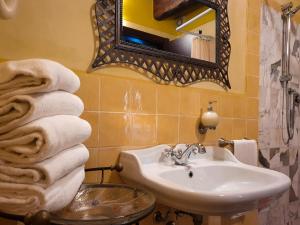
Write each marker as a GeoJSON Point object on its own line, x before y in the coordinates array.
{"type": "Point", "coordinates": [168, 151]}
{"type": "Point", "coordinates": [202, 148]}
{"type": "Point", "coordinates": [198, 148]}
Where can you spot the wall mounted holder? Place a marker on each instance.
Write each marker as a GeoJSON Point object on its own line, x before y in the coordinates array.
{"type": "Point", "coordinates": [209, 119]}
{"type": "Point", "coordinates": [89, 202]}
{"type": "Point", "coordinates": [164, 67]}
{"type": "Point", "coordinates": [140, 202]}
{"type": "Point", "coordinates": [118, 167]}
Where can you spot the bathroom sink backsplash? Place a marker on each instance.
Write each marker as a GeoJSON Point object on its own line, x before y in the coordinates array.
{"type": "Point", "coordinates": [129, 113]}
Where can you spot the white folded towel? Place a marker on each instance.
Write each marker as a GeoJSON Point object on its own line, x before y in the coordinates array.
{"type": "Point", "coordinates": [46, 172]}
{"type": "Point", "coordinates": [43, 138]}
{"type": "Point", "coordinates": [21, 199]}
{"type": "Point", "coordinates": [35, 76]}
{"type": "Point", "coordinates": [246, 151]}
{"type": "Point", "coordinates": [21, 109]}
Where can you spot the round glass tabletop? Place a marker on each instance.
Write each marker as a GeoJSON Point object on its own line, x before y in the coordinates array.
{"type": "Point", "coordinates": [102, 204]}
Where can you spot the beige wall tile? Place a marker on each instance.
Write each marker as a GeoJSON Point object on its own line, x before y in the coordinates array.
{"type": "Point", "coordinates": [252, 64]}
{"type": "Point", "coordinates": [252, 108]}
{"type": "Point", "coordinates": [89, 92]}
{"type": "Point", "coordinates": [92, 177]}
{"type": "Point", "coordinates": [254, 4]}
{"type": "Point", "coordinates": [239, 129]}
{"type": "Point", "coordinates": [252, 129]}
{"type": "Point", "coordinates": [93, 119]}
{"type": "Point", "coordinates": [167, 129]}
{"type": "Point", "coordinates": [253, 22]}
{"type": "Point", "coordinates": [109, 157]}
{"type": "Point", "coordinates": [143, 97]}
{"type": "Point", "coordinates": [188, 129]}
{"type": "Point", "coordinates": [252, 84]}
{"type": "Point", "coordinates": [143, 130]}
{"type": "Point", "coordinates": [239, 107]}
{"type": "Point", "coordinates": [114, 94]}
{"type": "Point", "coordinates": [114, 129]}
{"type": "Point", "coordinates": [225, 128]}
{"type": "Point", "coordinates": [167, 100]}
{"type": "Point", "coordinates": [189, 102]}
{"type": "Point", "coordinates": [253, 42]}
{"type": "Point", "coordinates": [226, 106]}
{"type": "Point", "coordinates": [92, 162]}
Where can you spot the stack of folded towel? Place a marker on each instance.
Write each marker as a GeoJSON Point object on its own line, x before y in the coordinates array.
{"type": "Point", "coordinates": [41, 155]}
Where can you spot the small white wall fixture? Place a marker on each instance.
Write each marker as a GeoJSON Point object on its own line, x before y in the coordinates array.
{"type": "Point", "coordinates": [8, 8]}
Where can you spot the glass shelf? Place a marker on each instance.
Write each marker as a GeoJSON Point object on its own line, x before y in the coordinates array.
{"type": "Point", "coordinates": [102, 204]}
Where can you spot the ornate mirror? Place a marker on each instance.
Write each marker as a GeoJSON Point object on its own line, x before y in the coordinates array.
{"type": "Point", "coordinates": [184, 41]}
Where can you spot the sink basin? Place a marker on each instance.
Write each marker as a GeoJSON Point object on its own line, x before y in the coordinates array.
{"type": "Point", "coordinates": [214, 183]}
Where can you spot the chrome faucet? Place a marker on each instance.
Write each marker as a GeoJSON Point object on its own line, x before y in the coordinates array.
{"type": "Point", "coordinates": [180, 157]}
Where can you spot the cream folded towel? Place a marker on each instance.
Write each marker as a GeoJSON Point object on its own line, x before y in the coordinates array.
{"type": "Point", "coordinates": [46, 172]}
{"type": "Point", "coordinates": [246, 151]}
{"type": "Point", "coordinates": [35, 76]}
{"type": "Point", "coordinates": [43, 138]}
{"type": "Point", "coordinates": [21, 199]}
{"type": "Point", "coordinates": [21, 109]}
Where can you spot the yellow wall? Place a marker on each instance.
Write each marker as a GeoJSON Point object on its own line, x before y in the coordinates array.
{"type": "Point", "coordinates": [63, 32]}
{"type": "Point", "coordinates": [126, 110]}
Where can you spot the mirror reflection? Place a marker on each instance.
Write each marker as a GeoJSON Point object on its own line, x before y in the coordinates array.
{"type": "Point", "coordinates": [183, 27]}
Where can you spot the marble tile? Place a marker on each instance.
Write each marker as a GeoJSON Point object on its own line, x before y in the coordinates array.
{"type": "Point", "coordinates": [295, 222]}
{"type": "Point", "coordinates": [294, 175]}
{"type": "Point", "coordinates": [264, 157]}
{"type": "Point", "coordinates": [278, 214]}
{"type": "Point", "coordinates": [263, 217]}
{"type": "Point", "coordinates": [274, 153]}
{"type": "Point", "coordinates": [293, 210]}
{"type": "Point", "coordinates": [280, 158]}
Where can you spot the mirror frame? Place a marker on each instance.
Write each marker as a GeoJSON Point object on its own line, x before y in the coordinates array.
{"type": "Point", "coordinates": [165, 66]}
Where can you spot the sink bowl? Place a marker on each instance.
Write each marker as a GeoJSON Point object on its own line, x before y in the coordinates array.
{"type": "Point", "coordinates": [214, 183]}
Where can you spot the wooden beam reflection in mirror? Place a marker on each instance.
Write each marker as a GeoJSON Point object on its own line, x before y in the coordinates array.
{"type": "Point", "coordinates": [166, 8]}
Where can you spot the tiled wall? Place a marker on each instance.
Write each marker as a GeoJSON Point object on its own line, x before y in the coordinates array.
{"type": "Point", "coordinates": [128, 113]}
{"type": "Point", "coordinates": [278, 155]}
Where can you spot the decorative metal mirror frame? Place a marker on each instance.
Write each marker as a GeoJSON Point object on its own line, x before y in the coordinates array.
{"type": "Point", "coordinates": [166, 67]}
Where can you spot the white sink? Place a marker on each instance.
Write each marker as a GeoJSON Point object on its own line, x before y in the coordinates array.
{"type": "Point", "coordinates": [214, 183]}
